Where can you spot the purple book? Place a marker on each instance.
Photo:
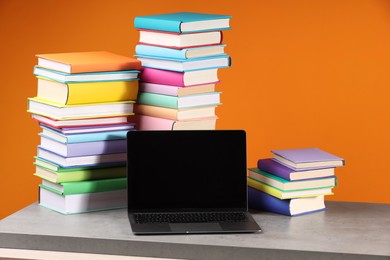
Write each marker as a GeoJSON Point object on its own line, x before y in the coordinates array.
{"type": "Point", "coordinates": [85, 148]}
{"type": "Point", "coordinates": [271, 166]}
{"type": "Point", "coordinates": [307, 158]}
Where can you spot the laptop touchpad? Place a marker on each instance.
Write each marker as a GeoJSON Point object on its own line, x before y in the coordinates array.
{"type": "Point", "coordinates": [194, 227]}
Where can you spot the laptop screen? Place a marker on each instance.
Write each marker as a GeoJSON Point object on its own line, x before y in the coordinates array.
{"type": "Point", "coordinates": [186, 170]}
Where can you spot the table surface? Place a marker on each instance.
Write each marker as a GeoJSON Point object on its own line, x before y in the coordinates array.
{"type": "Point", "coordinates": [344, 231]}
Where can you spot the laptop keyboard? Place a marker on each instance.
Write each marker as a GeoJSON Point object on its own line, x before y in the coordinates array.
{"type": "Point", "coordinates": [191, 217]}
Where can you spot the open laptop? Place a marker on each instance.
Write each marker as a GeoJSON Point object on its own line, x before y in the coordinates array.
{"type": "Point", "coordinates": [188, 182]}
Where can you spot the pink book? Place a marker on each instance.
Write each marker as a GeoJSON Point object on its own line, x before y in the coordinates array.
{"type": "Point", "coordinates": [180, 79]}
{"type": "Point", "coordinates": [155, 123]}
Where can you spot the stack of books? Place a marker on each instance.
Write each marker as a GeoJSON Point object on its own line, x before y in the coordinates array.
{"type": "Point", "coordinates": [180, 54]}
{"type": "Point", "coordinates": [82, 105]}
{"type": "Point", "coordinates": [294, 182]}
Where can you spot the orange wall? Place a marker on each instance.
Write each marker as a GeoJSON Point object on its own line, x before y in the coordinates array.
{"type": "Point", "coordinates": [304, 74]}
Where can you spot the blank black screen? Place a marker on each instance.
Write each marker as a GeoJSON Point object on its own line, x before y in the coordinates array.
{"type": "Point", "coordinates": [173, 170]}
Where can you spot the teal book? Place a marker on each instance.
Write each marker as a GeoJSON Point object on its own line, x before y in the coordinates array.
{"type": "Point", "coordinates": [81, 187]}
{"type": "Point", "coordinates": [183, 22]}
{"type": "Point", "coordinates": [199, 100]}
{"type": "Point", "coordinates": [122, 75]}
{"type": "Point", "coordinates": [84, 137]}
{"type": "Point", "coordinates": [285, 185]}
{"type": "Point", "coordinates": [179, 54]}
{"type": "Point", "coordinates": [183, 65]}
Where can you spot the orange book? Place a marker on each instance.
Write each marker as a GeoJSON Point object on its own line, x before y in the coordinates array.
{"type": "Point", "coordinates": [81, 62]}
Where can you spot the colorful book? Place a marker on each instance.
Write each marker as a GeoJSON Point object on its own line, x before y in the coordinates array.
{"type": "Point", "coordinates": [80, 203]}
{"type": "Point", "coordinates": [180, 41]}
{"type": "Point", "coordinates": [87, 122]}
{"type": "Point", "coordinates": [80, 62]}
{"type": "Point", "coordinates": [191, 101]}
{"type": "Point", "coordinates": [307, 158]}
{"type": "Point", "coordinates": [175, 114]}
{"type": "Point", "coordinates": [83, 148]}
{"type": "Point", "coordinates": [82, 137]}
{"type": "Point", "coordinates": [86, 77]}
{"type": "Point", "coordinates": [57, 174]}
{"type": "Point", "coordinates": [80, 161]}
{"type": "Point", "coordinates": [284, 185]}
{"type": "Point", "coordinates": [280, 194]}
{"type": "Point", "coordinates": [80, 93]}
{"type": "Point", "coordinates": [90, 186]}
{"type": "Point", "coordinates": [179, 54]}
{"type": "Point", "coordinates": [65, 112]}
{"type": "Point", "coordinates": [183, 22]}
{"type": "Point", "coordinates": [57, 168]}
{"type": "Point", "coordinates": [220, 61]}
{"type": "Point", "coordinates": [90, 129]}
{"type": "Point", "coordinates": [154, 123]}
{"type": "Point", "coordinates": [179, 79]}
{"type": "Point", "coordinates": [271, 166]}
{"type": "Point", "coordinates": [289, 207]}
{"type": "Point", "coordinates": [174, 90]}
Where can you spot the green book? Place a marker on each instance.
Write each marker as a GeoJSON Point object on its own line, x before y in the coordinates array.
{"type": "Point", "coordinates": [57, 174]}
{"type": "Point", "coordinates": [175, 102]}
{"type": "Point", "coordinates": [287, 194]}
{"type": "Point", "coordinates": [285, 185]}
{"type": "Point", "coordinates": [81, 187]}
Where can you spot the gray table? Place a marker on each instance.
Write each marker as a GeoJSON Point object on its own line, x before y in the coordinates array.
{"type": "Point", "coordinates": [345, 231]}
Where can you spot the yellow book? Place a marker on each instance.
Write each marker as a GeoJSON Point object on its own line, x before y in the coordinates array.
{"type": "Point", "coordinates": [287, 194]}
{"type": "Point", "coordinates": [86, 92]}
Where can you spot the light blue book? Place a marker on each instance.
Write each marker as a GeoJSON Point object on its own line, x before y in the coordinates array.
{"type": "Point", "coordinates": [63, 77]}
{"type": "Point", "coordinates": [179, 65]}
{"type": "Point", "coordinates": [179, 54]}
{"type": "Point", "coordinates": [183, 22]}
{"type": "Point", "coordinates": [199, 100]}
{"type": "Point", "coordinates": [85, 137]}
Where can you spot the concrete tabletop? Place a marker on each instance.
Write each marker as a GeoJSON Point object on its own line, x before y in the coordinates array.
{"type": "Point", "coordinates": [344, 231]}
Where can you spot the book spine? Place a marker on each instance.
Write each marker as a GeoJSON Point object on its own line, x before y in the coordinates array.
{"type": "Point", "coordinates": [153, 123]}
{"type": "Point", "coordinates": [81, 187]}
{"type": "Point", "coordinates": [101, 92]}
{"type": "Point", "coordinates": [154, 111]}
{"type": "Point", "coordinates": [93, 137]}
{"type": "Point", "coordinates": [159, 89]}
{"type": "Point", "coordinates": [164, 77]}
{"type": "Point", "coordinates": [270, 166]}
{"type": "Point", "coordinates": [155, 51]}
{"type": "Point", "coordinates": [157, 24]}
{"type": "Point", "coordinates": [260, 200]}
{"type": "Point", "coordinates": [265, 188]}
{"type": "Point", "coordinates": [153, 99]}
{"type": "Point", "coordinates": [95, 148]}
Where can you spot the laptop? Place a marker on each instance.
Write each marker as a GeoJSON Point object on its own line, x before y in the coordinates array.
{"type": "Point", "coordinates": [189, 181]}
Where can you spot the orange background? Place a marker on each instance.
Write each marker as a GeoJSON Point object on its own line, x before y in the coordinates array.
{"type": "Point", "coordinates": [304, 74]}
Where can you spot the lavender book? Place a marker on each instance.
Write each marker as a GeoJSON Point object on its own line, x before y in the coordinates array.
{"type": "Point", "coordinates": [271, 166]}
{"type": "Point", "coordinates": [307, 158]}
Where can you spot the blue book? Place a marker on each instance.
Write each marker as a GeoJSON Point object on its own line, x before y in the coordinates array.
{"type": "Point", "coordinates": [289, 207]}
{"type": "Point", "coordinates": [123, 75]}
{"type": "Point", "coordinates": [183, 22]}
{"type": "Point", "coordinates": [198, 100]}
{"type": "Point", "coordinates": [183, 65]}
{"type": "Point", "coordinates": [80, 138]}
{"type": "Point", "coordinates": [179, 54]}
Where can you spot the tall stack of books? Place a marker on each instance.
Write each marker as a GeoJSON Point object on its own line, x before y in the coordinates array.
{"type": "Point", "coordinates": [83, 103]}
{"type": "Point", "coordinates": [294, 182]}
{"type": "Point", "coordinates": [180, 54]}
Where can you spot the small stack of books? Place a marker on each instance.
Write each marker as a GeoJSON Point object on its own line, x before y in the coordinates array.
{"type": "Point", "coordinates": [294, 182]}
{"type": "Point", "coordinates": [82, 105]}
{"type": "Point", "coordinates": [180, 54]}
